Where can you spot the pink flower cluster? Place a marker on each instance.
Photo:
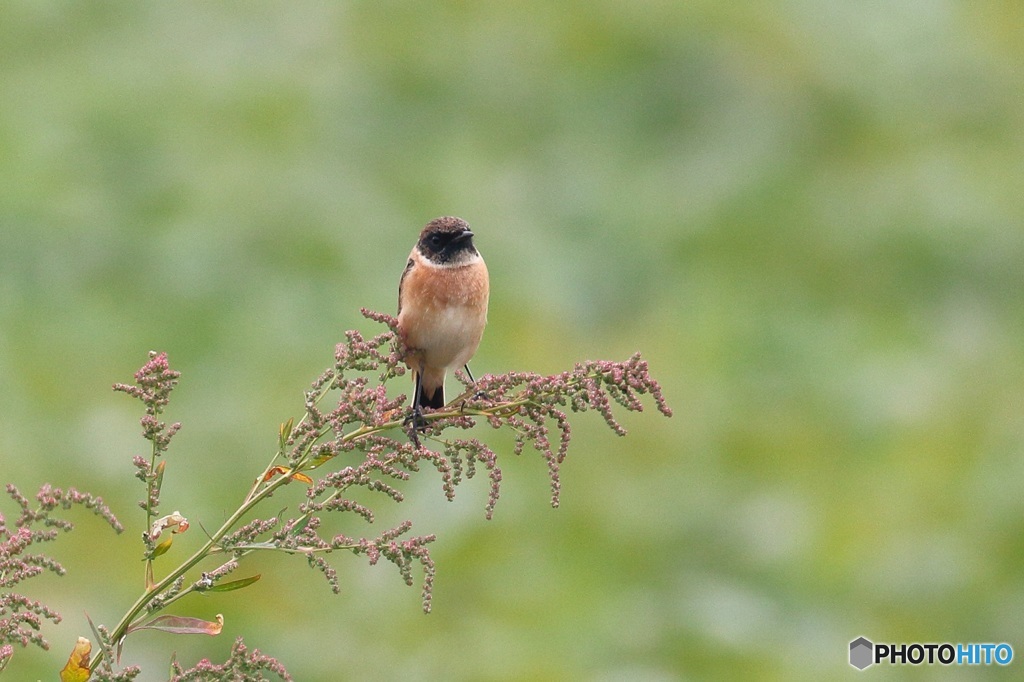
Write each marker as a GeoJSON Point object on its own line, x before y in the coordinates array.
{"type": "Point", "coordinates": [153, 383]}
{"type": "Point", "coordinates": [364, 430]}
{"type": "Point", "coordinates": [242, 664]}
{"type": "Point", "coordinates": [356, 436]}
{"type": "Point", "coordinates": [21, 618]}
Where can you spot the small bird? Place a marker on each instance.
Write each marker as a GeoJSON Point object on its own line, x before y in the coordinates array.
{"type": "Point", "coordinates": [442, 307]}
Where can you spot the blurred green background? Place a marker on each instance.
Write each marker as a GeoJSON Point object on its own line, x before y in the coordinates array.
{"type": "Point", "coordinates": [807, 216]}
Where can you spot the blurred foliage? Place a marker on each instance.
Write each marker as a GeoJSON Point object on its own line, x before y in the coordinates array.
{"type": "Point", "coordinates": [807, 216]}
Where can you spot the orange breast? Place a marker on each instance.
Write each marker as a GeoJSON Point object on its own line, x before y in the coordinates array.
{"type": "Point", "coordinates": [443, 313]}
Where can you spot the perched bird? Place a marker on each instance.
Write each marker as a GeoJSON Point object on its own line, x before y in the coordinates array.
{"type": "Point", "coordinates": [442, 307]}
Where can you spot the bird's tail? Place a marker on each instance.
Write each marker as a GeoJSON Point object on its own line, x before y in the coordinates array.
{"type": "Point", "coordinates": [435, 401]}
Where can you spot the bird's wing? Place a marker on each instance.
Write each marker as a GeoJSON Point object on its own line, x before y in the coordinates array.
{"type": "Point", "coordinates": [408, 267]}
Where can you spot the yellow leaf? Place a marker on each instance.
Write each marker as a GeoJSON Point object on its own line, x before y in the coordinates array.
{"type": "Point", "coordinates": [281, 470]}
{"type": "Point", "coordinates": [274, 471]}
{"type": "Point", "coordinates": [77, 668]}
{"type": "Point", "coordinates": [162, 547]}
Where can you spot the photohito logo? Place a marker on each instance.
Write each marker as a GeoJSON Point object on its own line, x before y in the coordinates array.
{"type": "Point", "coordinates": [864, 653]}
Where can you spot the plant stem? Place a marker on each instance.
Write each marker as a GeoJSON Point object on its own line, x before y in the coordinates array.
{"type": "Point", "coordinates": [255, 496]}
{"type": "Point", "coordinates": [121, 630]}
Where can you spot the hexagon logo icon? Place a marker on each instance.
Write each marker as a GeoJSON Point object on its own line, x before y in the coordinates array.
{"type": "Point", "coordinates": [861, 650]}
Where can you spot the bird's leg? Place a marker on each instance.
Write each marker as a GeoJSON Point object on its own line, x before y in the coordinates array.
{"type": "Point", "coordinates": [415, 420]}
{"type": "Point", "coordinates": [478, 394]}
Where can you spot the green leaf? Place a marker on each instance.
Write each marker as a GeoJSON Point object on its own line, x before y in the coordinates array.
{"type": "Point", "coordinates": [254, 545]}
{"type": "Point", "coordinates": [321, 459]}
{"type": "Point", "coordinates": [235, 584]}
{"type": "Point", "coordinates": [285, 432]}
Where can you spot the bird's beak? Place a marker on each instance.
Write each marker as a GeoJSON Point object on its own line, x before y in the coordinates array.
{"type": "Point", "coordinates": [466, 234]}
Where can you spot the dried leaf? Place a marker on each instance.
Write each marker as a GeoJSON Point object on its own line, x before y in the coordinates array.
{"type": "Point", "coordinates": [182, 625]}
{"type": "Point", "coordinates": [235, 584]}
{"type": "Point", "coordinates": [280, 470]}
{"type": "Point", "coordinates": [77, 667]}
{"type": "Point", "coordinates": [175, 522]}
{"type": "Point", "coordinates": [274, 471]}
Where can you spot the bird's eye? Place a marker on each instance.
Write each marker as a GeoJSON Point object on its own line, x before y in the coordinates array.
{"type": "Point", "coordinates": [435, 241]}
